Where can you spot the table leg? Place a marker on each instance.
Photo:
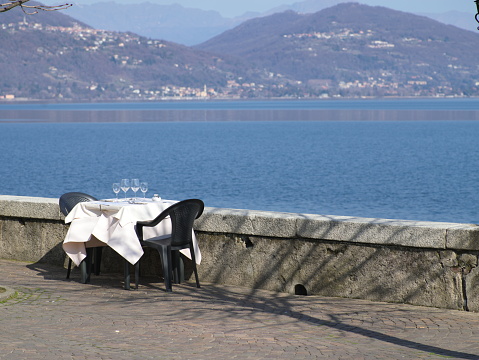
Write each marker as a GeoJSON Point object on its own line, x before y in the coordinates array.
{"type": "Point", "coordinates": [97, 261]}
{"type": "Point", "coordinates": [85, 267]}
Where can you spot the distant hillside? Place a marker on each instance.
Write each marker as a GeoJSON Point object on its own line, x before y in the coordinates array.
{"type": "Point", "coordinates": [192, 26]}
{"type": "Point", "coordinates": [348, 50]}
{"type": "Point", "coordinates": [50, 55]}
{"type": "Point", "coordinates": [371, 47]}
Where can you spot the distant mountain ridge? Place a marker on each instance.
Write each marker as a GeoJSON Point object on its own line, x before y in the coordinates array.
{"type": "Point", "coordinates": [348, 50]}
{"type": "Point", "coordinates": [352, 43]}
{"type": "Point", "coordinates": [190, 26]}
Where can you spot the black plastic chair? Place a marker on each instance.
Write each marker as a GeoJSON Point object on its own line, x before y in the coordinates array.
{"type": "Point", "coordinates": [67, 202]}
{"type": "Point", "coordinates": [182, 215]}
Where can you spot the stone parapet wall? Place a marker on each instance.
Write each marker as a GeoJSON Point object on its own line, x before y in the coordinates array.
{"type": "Point", "coordinates": [415, 234]}
{"type": "Point", "coordinates": [421, 263]}
{"type": "Point", "coordinates": [31, 229]}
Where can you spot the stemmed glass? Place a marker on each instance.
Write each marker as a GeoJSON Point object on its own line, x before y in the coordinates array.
{"type": "Point", "coordinates": [144, 188]}
{"type": "Point", "coordinates": [135, 186]}
{"type": "Point", "coordinates": [116, 189]}
{"type": "Point", "coordinates": [125, 185]}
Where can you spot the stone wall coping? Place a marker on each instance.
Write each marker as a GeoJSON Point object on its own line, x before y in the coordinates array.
{"type": "Point", "coordinates": [408, 233]}
{"type": "Point", "coordinates": [30, 207]}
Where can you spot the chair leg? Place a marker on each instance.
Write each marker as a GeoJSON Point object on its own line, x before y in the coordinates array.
{"type": "Point", "coordinates": [178, 268]}
{"type": "Point", "coordinates": [69, 270]}
{"type": "Point", "coordinates": [165, 255]}
{"type": "Point", "coordinates": [193, 258]}
{"type": "Point", "coordinates": [127, 275]}
{"type": "Point", "coordinates": [174, 259]}
{"type": "Point", "coordinates": [137, 274]}
{"type": "Point", "coordinates": [181, 268]}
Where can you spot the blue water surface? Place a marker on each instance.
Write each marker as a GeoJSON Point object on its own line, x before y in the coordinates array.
{"type": "Point", "coordinates": [463, 104]}
{"type": "Point", "coordinates": [418, 170]}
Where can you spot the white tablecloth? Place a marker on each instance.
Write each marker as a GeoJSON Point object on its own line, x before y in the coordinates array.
{"type": "Point", "coordinates": [112, 223]}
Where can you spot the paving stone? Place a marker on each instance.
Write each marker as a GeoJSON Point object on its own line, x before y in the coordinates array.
{"type": "Point", "coordinates": [55, 318]}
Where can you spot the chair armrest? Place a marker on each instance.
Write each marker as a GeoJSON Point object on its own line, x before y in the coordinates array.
{"type": "Point", "coordinates": [149, 223]}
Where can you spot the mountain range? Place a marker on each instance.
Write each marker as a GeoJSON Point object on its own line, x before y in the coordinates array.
{"type": "Point", "coordinates": [347, 50]}
{"type": "Point", "coordinates": [192, 26]}
{"type": "Point", "coordinates": [350, 42]}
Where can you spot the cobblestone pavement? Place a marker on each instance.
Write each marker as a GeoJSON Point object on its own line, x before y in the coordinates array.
{"type": "Point", "coordinates": [55, 318]}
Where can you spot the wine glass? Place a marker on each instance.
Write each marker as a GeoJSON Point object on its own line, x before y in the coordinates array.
{"type": "Point", "coordinates": [144, 188]}
{"type": "Point", "coordinates": [135, 186]}
{"type": "Point", "coordinates": [125, 185]}
{"type": "Point", "coordinates": [116, 189]}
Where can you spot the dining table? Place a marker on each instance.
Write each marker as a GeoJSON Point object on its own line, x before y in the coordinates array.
{"type": "Point", "coordinates": [112, 222]}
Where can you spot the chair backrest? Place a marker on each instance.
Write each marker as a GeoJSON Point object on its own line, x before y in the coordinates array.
{"type": "Point", "coordinates": [183, 215]}
{"type": "Point", "coordinates": [68, 201]}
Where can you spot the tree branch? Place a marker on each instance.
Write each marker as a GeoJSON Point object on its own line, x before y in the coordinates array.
{"type": "Point", "coordinates": [13, 4]}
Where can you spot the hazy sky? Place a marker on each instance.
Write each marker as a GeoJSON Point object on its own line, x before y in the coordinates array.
{"type": "Point", "coordinates": [231, 8]}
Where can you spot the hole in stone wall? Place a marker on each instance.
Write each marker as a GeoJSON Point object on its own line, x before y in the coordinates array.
{"type": "Point", "coordinates": [299, 289]}
{"type": "Point", "coordinates": [248, 243]}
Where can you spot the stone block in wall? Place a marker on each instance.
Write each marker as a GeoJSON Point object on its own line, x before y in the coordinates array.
{"type": "Point", "coordinates": [374, 231]}
{"type": "Point", "coordinates": [468, 266]}
{"type": "Point", "coordinates": [261, 223]}
{"type": "Point", "coordinates": [30, 207]}
{"type": "Point", "coordinates": [32, 240]}
{"type": "Point", "coordinates": [463, 236]}
{"type": "Point", "coordinates": [225, 260]}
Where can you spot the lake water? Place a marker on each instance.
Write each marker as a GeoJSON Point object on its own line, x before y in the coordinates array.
{"type": "Point", "coordinates": [408, 159]}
